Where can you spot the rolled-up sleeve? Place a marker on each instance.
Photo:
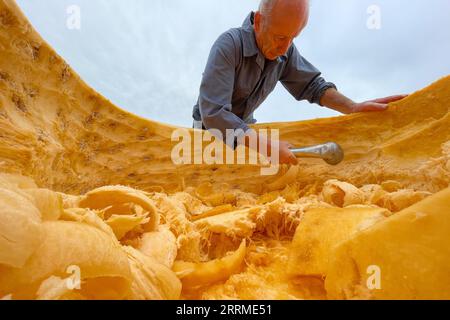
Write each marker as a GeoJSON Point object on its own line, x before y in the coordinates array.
{"type": "Point", "coordinates": [216, 90]}
{"type": "Point", "coordinates": [303, 80]}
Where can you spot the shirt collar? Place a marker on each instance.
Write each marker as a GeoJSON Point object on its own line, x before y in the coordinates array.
{"type": "Point", "coordinates": [250, 46]}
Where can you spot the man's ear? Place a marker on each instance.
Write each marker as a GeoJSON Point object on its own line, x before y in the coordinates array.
{"type": "Point", "coordinates": [257, 21]}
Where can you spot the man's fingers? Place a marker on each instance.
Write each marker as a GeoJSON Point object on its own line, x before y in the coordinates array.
{"type": "Point", "coordinates": [378, 104]}
{"type": "Point", "coordinates": [292, 158]}
{"type": "Point", "coordinates": [390, 99]}
{"type": "Point", "coordinates": [286, 155]}
{"type": "Point", "coordinates": [374, 106]}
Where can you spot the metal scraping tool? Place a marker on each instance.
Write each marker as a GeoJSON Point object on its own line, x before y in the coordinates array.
{"type": "Point", "coordinates": [330, 152]}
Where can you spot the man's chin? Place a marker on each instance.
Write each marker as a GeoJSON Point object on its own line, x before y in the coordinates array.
{"type": "Point", "coordinates": [271, 57]}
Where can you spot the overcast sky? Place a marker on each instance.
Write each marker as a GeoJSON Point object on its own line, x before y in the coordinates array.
{"type": "Point", "coordinates": [148, 56]}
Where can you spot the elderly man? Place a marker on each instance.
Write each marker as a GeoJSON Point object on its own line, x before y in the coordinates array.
{"type": "Point", "coordinates": [246, 63]}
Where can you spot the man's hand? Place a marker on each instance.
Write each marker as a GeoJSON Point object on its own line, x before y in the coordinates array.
{"type": "Point", "coordinates": [335, 100]}
{"type": "Point", "coordinates": [375, 105]}
{"type": "Point", "coordinates": [286, 155]}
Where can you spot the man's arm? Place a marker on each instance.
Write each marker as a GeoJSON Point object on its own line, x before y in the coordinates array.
{"type": "Point", "coordinates": [335, 100]}
{"type": "Point", "coordinates": [302, 79]}
{"type": "Point", "coordinates": [216, 88]}
{"type": "Point", "coordinates": [304, 82]}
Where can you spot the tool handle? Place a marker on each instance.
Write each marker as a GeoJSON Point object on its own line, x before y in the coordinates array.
{"type": "Point", "coordinates": [308, 152]}
{"type": "Point", "coordinates": [330, 152]}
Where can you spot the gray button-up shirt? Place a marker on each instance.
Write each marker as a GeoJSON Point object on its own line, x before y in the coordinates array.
{"type": "Point", "coordinates": [238, 78]}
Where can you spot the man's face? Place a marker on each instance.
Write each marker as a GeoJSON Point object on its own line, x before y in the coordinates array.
{"type": "Point", "coordinates": [275, 33]}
